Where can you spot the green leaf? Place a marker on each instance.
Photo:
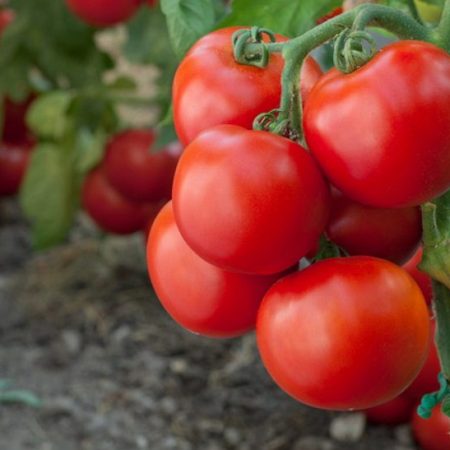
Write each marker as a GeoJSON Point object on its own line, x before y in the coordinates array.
{"type": "Point", "coordinates": [89, 149]}
{"type": "Point", "coordinates": [187, 21]}
{"type": "Point", "coordinates": [123, 83]}
{"type": "Point", "coordinates": [48, 194]}
{"type": "Point", "coordinates": [281, 16]}
{"type": "Point", "coordinates": [429, 11]}
{"type": "Point", "coordinates": [166, 135]}
{"type": "Point", "coordinates": [47, 116]}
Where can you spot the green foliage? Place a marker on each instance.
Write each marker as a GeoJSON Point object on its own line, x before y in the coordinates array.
{"type": "Point", "coordinates": [281, 16]}
{"type": "Point", "coordinates": [187, 21]}
{"type": "Point", "coordinates": [46, 45]}
{"type": "Point", "coordinates": [47, 194]}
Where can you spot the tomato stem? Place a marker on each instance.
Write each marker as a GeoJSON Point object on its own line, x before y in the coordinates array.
{"type": "Point", "coordinates": [442, 31]}
{"type": "Point", "coordinates": [442, 309]}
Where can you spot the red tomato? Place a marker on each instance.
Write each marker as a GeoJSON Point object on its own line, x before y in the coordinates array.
{"type": "Point", "coordinates": [396, 411]}
{"type": "Point", "coordinates": [6, 17]}
{"type": "Point", "coordinates": [199, 296]}
{"type": "Point", "coordinates": [344, 333]}
{"type": "Point", "coordinates": [422, 279]}
{"type": "Point", "coordinates": [152, 214]}
{"type": "Point", "coordinates": [109, 209]}
{"type": "Point", "coordinates": [14, 160]}
{"type": "Point", "coordinates": [372, 131]}
{"type": "Point", "coordinates": [15, 129]}
{"type": "Point", "coordinates": [392, 234]}
{"type": "Point", "coordinates": [333, 13]}
{"type": "Point", "coordinates": [210, 88]}
{"type": "Point", "coordinates": [249, 201]}
{"type": "Point", "coordinates": [137, 172]}
{"type": "Point", "coordinates": [427, 379]}
{"type": "Point", "coordinates": [151, 3]}
{"type": "Point", "coordinates": [432, 433]}
{"type": "Point", "coordinates": [103, 13]}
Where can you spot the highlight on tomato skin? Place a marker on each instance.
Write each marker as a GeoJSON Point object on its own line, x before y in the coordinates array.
{"type": "Point", "coordinates": [344, 333]}
{"type": "Point", "coordinates": [387, 233]}
{"type": "Point", "coordinates": [210, 88]}
{"type": "Point", "coordinates": [372, 138]}
{"type": "Point", "coordinates": [249, 201]}
{"type": "Point", "coordinates": [200, 296]}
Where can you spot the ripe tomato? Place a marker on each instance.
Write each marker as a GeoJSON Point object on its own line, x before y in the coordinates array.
{"type": "Point", "coordinates": [109, 209]}
{"type": "Point", "coordinates": [427, 379]}
{"type": "Point", "coordinates": [103, 13]}
{"type": "Point", "coordinates": [344, 333]}
{"type": "Point", "coordinates": [396, 411]}
{"type": "Point", "coordinates": [392, 234]}
{"type": "Point", "coordinates": [249, 201]}
{"type": "Point", "coordinates": [333, 13]}
{"type": "Point", "coordinates": [15, 129]}
{"type": "Point", "coordinates": [14, 159]}
{"type": "Point", "coordinates": [151, 3]}
{"type": "Point", "coordinates": [210, 88]}
{"type": "Point", "coordinates": [422, 279]}
{"type": "Point", "coordinates": [199, 296]}
{"type": "Point", "coordinates": [137, 172]}
{"type": "Point", "coordinates": [6, 17]}
{"type": "Point", "coordinates": [432, 433]}
{"type": "Point", "coordinates": [382, 133]}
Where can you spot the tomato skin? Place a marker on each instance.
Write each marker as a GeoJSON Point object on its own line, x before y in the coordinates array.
{"type": "Point", "coordinates": [427, 379]}
{"type": "Point", "coordinates": [14, 160]}
{"type": "Point", "coordinates": [199, 296]}
{"type": "Point", "coordinates": [344, 333]}
{"type": "Point", "coordinates": [103, 13]}
{"type": "Point", "coordinates": [392, 234]}
{"type": "Point", "coordinates": [394, 412]}
{"type": "Point", "coordinates": [137, 172]}
{"type": "Point", "coordinates": [432, 433]}
{"type": "Point", "coordinates": [210, 88]}
{"type": "Point", "coordinates": [109, 209]}
{"type": "Point", "coordinates": [249, 201]}
{"type": "Point", "coordinates": [7, 16]}
{"type": "Point", "coordinates": [422, 279]}
{"type": "Point", "coordinates": [373, 138]}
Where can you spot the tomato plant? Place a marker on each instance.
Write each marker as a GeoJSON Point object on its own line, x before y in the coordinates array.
{"type": "Point", "coordinates": [14, 160]}
{"type": "Point", "coordinates": [137, 171]}
{"type": "Point", "coordinates": [433, 433]}
{"type": "Point", "coordinates": [249, 201]}
{"type": "Point", "coordinates": [210, 88]}
{"type": "Point", "coordinates": [391, 165]}
{"type": "Point", "coordinates": [392, 234]}
{"type": "Point", "coordinates": [102, 13]}
{"type": "Point", "coordinates": [396, 411]}
{"type": "Point", "coordinates": [111, 210]}
{"type": "Point", "coordinates": [200, 296]}
{"type": "Point", "coordinates": [344, 333]}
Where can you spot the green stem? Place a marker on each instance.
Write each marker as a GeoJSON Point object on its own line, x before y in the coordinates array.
{"type": "Point", "coordinates": [413, 10]}
{"type": "Point", "coordinates": [442, 308]}
{"type": "Point", "coordinates": [442, 31]}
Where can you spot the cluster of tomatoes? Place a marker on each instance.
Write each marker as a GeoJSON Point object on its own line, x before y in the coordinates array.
{"type": "Point", "coordinates": [104, 13]}
{"type": "Point", "coordinates": [16, 143]}
{"type": "Point", "coordinates": [223, 256]}
{"type": "Point", "coordinates": [127, 189]}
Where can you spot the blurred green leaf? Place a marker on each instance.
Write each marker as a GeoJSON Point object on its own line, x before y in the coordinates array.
{"type": "Point", "coordinates": [48, 194]}
{"type": "Point", "coordinates": [47, 116]}
{"type": "Point", "coordinates": [188, 20]}
{"type": "Point", "coordinates": [281, 16]}
{"type": "Point", "coordinates": [89, 149]}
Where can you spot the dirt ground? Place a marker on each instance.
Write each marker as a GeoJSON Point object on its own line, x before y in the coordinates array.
{"type": "Point", "coordinates": [81, 328]}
